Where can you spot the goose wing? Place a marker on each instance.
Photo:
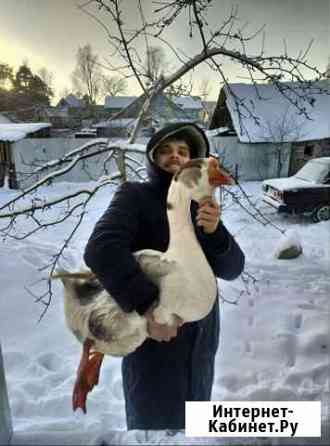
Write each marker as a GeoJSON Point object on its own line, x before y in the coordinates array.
{"type": "Point", "coordinates": [154, 263]}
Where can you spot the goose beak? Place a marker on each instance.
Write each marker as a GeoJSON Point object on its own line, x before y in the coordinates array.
{"type": "Point", "coordinates": [218, 176]}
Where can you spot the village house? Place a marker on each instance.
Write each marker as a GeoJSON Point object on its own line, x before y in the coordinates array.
{"type": "Point", "coordinates": [75, 113]}
{"type": "Point", "coordinates": [9, 134]}
{"type": "Point", "coordinates": [191, 105]}
{"type": "Point", "coordinates": [114, 104]}
{"type": "Point", "coordinates": [24, 146]}
{"type": "Point", "coordinates": [163, 110]}
{"type": "Point", "coordinates": [70, 102]}
{"type": "Point", "coordinates": [262, 134]}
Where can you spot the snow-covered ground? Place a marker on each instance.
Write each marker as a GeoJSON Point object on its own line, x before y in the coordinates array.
{"type": "Point", "coordinates": [274, 340]}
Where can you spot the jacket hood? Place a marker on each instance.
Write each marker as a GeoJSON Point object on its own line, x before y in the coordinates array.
{"type": "Point", "coordinates": [193, 135]}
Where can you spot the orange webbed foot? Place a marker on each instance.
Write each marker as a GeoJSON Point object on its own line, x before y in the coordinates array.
{"type": "Point", "coordinates": [87, 376]}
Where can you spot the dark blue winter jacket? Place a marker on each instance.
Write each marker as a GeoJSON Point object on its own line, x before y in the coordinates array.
{"type": "Point", "coordinates": [159, 376]}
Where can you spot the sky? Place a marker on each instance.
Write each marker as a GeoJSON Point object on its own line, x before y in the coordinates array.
{"type": "Point", "coordinates": [49, 32]}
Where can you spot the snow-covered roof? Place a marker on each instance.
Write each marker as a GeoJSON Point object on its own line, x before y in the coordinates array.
{"type": "Point", "coordinates": [279, 120]}
{"type": "Point", "coordinates": [184, 119]}
{"type": "Point", "coordinates": [4, 119]}
{"type": "Point", "coordinates": [57, 112]}
{"type": "Point", "coordinates": [15, 132]}
{"type": "Point", "coordinates": [188, 102]}
{"type": "Point", "coordinates": [116, 123]}
{"type": "Point", "coordinates": [185, 102]}
{"type": "Point", "coordinates": [118, 101]}
{"type": "Point", "coordinates": [216, 132]}
{"type": "Point", "coordinates": [72, 101]}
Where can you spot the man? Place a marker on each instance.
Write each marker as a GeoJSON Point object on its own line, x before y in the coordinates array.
{"type": "Point", "coordinates": [176, 364]}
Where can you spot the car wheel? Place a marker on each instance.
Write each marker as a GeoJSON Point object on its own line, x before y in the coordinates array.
{"type": "Point", "coordinates": [321, 213]}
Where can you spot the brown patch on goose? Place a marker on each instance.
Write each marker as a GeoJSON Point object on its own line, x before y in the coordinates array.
{"type": "Point", "coordinates": [169, 206]}
{"type": "Point", "coordinates": [97, 328]}
{"type": "Point", "coordinates": [190, 172]}
{"type": "Point", "coordinates": [87, 290]}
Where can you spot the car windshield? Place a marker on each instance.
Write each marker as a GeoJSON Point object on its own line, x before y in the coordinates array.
{"type": "Point", "coordinates": [313, 171]}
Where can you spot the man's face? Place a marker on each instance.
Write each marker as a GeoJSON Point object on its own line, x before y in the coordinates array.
{"type": "Point", "coordinates": [172, 154]}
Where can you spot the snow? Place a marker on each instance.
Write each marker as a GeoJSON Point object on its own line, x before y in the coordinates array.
{"type": "Point", "coordinates": [290, 239]}
{"type": "Point", "coordinates": [291, 183]}
{"type": "Point", "coordinates": [4, 119]}
{"type": "Point", "coordinates": [280, 121]}
{"type": "Point", "coordinates": [15, 132]}
{"type": "Point", "coordinates": [311, 175]}
{"type": "Point", "coordinates": [216, 132]}
{"type": "Point", "coordinates": [118, 101]}
{"type": "Point", "coordinates": [274, 341]}
{"type": "Point", "coordinates": [188, 102]}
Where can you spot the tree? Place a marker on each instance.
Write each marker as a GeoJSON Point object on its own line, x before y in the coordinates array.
{"type": "Point", "coordinates": [204, 89]}
{"type": "Point", "coordinates": [23, 89]}
{"type": "Point", "coordinates": [30, 87]}
{"type": "Point", "coordinates": [6, 76]}
{"type": "Point", "coordinates": [284, 128]}
{"type": "Point", "coordinates": [47, 77]}
{"type": "Point", "coordinates": [65, 92]}
{"type": "Point", "coordinates": [87, 75]}
{"type": "Point", "coordinates": [327, 71]}
{"type": "Point", "coordinates": [155, 63]}
{"type": "Point", "coordinates": [114, 86]}
{"type": "Point", "coordinates": [23, 80]}
{"type": "Point", "coordinates": [6, 83]}
{"type": "Point", "coordinates": [227, 41]}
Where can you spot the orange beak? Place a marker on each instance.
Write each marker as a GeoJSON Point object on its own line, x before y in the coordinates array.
{"type": "Point", "coordinates": [218, 176]}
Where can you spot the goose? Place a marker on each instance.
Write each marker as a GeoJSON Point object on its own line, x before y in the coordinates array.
{"type": "Point", "coordinates": [187, 285]}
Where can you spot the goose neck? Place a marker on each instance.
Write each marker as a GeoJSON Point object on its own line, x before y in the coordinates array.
{"type": "Point", "coordinates": [178, 209]}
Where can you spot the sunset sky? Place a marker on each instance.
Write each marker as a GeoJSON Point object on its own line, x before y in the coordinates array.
{"type": "Point", "coordinates": [49, 32]}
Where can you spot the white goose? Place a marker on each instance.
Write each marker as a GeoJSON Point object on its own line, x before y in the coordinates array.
{"type": "Point", "coordinates": [187, 286]}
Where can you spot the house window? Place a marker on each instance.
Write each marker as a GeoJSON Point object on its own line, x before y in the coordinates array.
{"type": "Point", "coordinates": [308, 150]}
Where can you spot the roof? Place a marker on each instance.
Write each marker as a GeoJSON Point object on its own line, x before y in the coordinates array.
{"type": "Point", "coordinates": [279, 120]}
{"type": "Point", "coordinates": [15, 132]}
{"type": "Point", "coordinates": [4, 119]}
{"type": "Point", "coordinates": [118, 101]}
{"type": "Point", "coordinates": [188, 102]}
{"type": "Point", "coordinates": [72, 101]}
{"type": "Point", "coordinates": [116, 123]}
{"type": "Point", "coordinates": [217, 132]}
{"type": "Point", "coordinates": [185, 102]}
{"type": "Point", "coordinates": [322, 159]}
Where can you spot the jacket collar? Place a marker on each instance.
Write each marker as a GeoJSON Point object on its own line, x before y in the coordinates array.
{"type": "Point", "coordinates": [157, 176]}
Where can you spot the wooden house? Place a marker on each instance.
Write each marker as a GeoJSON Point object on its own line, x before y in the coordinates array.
{"type": "Point", "coordinates": [10, 133]}
{"type": "Point", "coordinates": [163, 110]}
{"type": "Point", "coordinates": [261, 116]}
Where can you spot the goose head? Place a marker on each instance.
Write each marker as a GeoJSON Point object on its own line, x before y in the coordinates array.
{"type": "Point", "coordinates": [200, 176]}
{"type": "Point", "coordinates": [81, 286]}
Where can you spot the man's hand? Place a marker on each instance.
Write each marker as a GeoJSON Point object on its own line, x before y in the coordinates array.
{"type": "Point", "coordinates": [208, 214]}
{"type": "Point", "coordinates": [161, 332]}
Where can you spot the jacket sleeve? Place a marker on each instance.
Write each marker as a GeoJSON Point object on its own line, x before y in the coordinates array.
{"type": "Point", "coordinates": [222, 251]}
{"type": "Point", "coordinates": [109, 253]}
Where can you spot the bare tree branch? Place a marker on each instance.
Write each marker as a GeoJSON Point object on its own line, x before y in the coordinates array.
{"type": "Point", "coordinates": [129, 49]}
